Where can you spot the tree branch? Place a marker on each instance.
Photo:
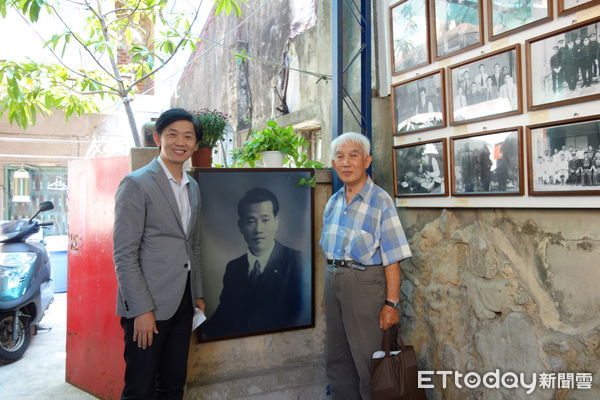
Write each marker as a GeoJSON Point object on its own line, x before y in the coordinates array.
{"type": "Point", "coordinates": [183, 39]}
{"type": "Point", "coordinates": [83, 75]}
{"type": "Point", "coordinates": [80, 42]}
{"type": "Point", "coordinates": [93, 92]}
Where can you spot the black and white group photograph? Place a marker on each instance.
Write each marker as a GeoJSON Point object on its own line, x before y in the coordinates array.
{"type": "Point", "coordinates": [256, 240]}
{"type": "Point", "coordinates": [458, 26]}
{"type": "Point", "coordinates": [565, 157]}
{"type": "Point", "coordinates": [409, 21]}
{"type": "Point", "coordinates": [487, 163]}
{"type": "Point", "coordinates": [419, 103]}
{"type": "Point", "coordinates": [420, 169]}
{"type": "Point", "coordinates": [486, 87]}
{"type": "Point", "coordinates": [508, 16]}
{"type": "Point", "coordinates": [563, 66]}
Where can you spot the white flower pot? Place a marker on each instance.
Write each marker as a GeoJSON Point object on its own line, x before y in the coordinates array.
{"type": "Point", "coordinates": [272, 159]}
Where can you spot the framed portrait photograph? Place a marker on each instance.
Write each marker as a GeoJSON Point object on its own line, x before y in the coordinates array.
{"type": "Point", "coordinates": [409, 39]}
{"type": "Point", "coordinates": [563, 157]}
{"type": "Point", "coordinates": [570, 6]}
{"type": "Point", "coordinates": [487, 163]}
{"type": "Point", "coordinates": [257, 251]}
{"type": "Point", "coordinates": [457, 26]}
{"type": "Point", "coordinates": [562, 66]}
{"type": "Point", "coordinates": [506, 17]}
{"type": "Point", "coordinates": [420, 169]}
{"type": "Point", "coordinates": [486, 87]}
{"type": "Point", "coordinates": [419, 103]}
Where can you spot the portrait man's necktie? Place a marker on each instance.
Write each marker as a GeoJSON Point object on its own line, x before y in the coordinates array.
{"type": "Point", "coordinates": [255, 273]}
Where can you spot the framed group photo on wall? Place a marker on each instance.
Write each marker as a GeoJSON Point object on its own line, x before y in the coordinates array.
{"type": "Point", "coordinates": [420, 169]}
{"type": "Point", "coordinates": [257, 251]}
{"type": "Point", "coordinates": [506, 17]}
{"type": "Point", "coordinates": [486, 87]}
{"type": "Point", "coordinates": [562, 66]}
{"type": "Point", "coordinates": [419, 103]}
{"type": "Point", "coordinates": [570, 6]}
{"type": "Point", "coordinates": [457, 26]}
{"type": "Point", "coordinates": [487, 163]}
{"type": "Point", "coordinates": [409, 39]}
{"type": "Point", "coordinates": [563, 157]}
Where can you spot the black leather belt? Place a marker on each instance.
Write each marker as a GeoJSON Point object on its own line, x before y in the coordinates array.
{"type": "Point", "coordinates": [350, 264]}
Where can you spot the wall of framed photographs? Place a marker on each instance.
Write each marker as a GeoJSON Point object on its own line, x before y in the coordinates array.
{"type": "Point", "coordinates": [499, 106]}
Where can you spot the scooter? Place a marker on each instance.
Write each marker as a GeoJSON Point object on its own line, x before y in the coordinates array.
{"type": "Point", "coordinates": [26, 285]}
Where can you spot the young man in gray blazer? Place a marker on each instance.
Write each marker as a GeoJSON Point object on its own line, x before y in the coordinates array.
{"type": "Point", "coordinates": [157, 262]}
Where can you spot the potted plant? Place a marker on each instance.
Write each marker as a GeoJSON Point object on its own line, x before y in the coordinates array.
{"type": "Point", "coordinates": [274, 138]}
{"type": "Point", "coordinates": [212, 124]}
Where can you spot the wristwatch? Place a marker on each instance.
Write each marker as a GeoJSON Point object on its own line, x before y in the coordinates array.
{"type": "Point", "coordinates": [395, 306]}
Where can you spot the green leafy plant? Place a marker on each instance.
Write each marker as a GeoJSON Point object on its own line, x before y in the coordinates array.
{"type": "Point", "coordinates": [277, 138]}
{"type": "Point", "coordinates": [103, 32]}
{"type": "Point", "coordinates": [212, 123]}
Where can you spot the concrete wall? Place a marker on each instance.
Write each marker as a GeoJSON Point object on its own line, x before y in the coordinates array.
{"type": "Point", "coordinates": [487, 288]}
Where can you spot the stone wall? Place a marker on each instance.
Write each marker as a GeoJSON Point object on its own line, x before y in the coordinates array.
{"type": "Point", "coordinates": [503, 289]}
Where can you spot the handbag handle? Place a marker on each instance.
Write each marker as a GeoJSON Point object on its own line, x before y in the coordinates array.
{"type": "Point", "coordinates": [387, 340]}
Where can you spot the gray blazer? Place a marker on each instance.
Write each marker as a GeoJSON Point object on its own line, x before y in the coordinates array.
{"type": "Point", "coordinates": [151, 249]}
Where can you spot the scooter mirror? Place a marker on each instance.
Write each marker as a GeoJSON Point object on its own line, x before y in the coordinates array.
{"type": "Point", "coordinates": [46, 206]}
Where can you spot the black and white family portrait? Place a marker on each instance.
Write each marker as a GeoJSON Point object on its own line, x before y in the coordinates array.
{"type": "Point", "coordinates": [486, 87]}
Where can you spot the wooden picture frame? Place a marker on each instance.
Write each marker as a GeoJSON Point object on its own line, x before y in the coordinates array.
{"type": "Point", "coordinates": [555, 82]}
{"type": "Point", "coordinates": [565, 8]}
{"type": "Point", "coordinates": [456, 35]}
{"type": "Point", "coordinates": [488, 163]}
{"type": "Point", "coordinates": [502, 95]}
{"type": "Point", "coordinates": [421, 169]}
{"type": "Point", "coordinates": [406, 56]}
{"type": "Point", "coordinates": [419, 104]}
{"type": "Point", "coordinates": [236, 305]}
{"type": "Point", "coordinates": [551, 171]}
{"type": "Point", "coordinates": [503, 21]}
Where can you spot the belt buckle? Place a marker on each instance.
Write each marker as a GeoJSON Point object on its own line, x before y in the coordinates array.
{"type": "Point", "coordinates": [339, 263]}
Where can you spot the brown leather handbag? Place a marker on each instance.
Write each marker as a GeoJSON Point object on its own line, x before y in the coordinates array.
{"type": "Point", "coordinates": [394, 377]}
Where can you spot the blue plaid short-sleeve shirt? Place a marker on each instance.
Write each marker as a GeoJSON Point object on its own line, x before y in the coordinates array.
{"type": "Point", "coordinates": [367, 230]}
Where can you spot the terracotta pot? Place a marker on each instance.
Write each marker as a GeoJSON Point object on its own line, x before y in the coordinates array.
{"type": "Point", "coordinates": [202, 158]}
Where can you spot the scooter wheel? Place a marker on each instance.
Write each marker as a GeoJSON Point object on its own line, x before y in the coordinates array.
{"type": "Point", "coordinates": [11, 350]}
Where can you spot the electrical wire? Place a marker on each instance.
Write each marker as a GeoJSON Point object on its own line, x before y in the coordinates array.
{"type": "Point", "coordinates": [219, 43]}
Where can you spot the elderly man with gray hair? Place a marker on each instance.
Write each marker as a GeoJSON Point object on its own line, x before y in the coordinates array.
{"type": "Point", "coordinates": [363, 242]}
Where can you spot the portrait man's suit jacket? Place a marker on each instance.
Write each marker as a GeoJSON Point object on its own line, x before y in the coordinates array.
{"type": "Point", "coordinates": [274, 302]}
{"type": "Point", "coordinates": [151, 248]}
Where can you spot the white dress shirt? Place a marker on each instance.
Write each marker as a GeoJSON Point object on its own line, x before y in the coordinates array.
{"type": "Point", "coordinates": [180, 191]}
{"type": "Point", "coordinates": [262, 260]}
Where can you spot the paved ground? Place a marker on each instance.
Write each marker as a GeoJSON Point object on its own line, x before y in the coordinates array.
{"type": "Point", "coordinates": [40, 374]}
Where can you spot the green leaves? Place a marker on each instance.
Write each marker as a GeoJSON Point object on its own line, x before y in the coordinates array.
{"type": "Point", "coordinates": [227, 6]}
{"type": "Point", "coordinates": [28, 89]}
{"type": "Point", "coordinates": [276, 138]}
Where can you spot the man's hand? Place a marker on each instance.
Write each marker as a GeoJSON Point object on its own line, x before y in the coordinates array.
{"type": "Point", "coordinates": [200, 304]}
{"type": "Point", "coordinates": [144, 328]}
{"type": "Point", "coordinates": [388, 317]}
